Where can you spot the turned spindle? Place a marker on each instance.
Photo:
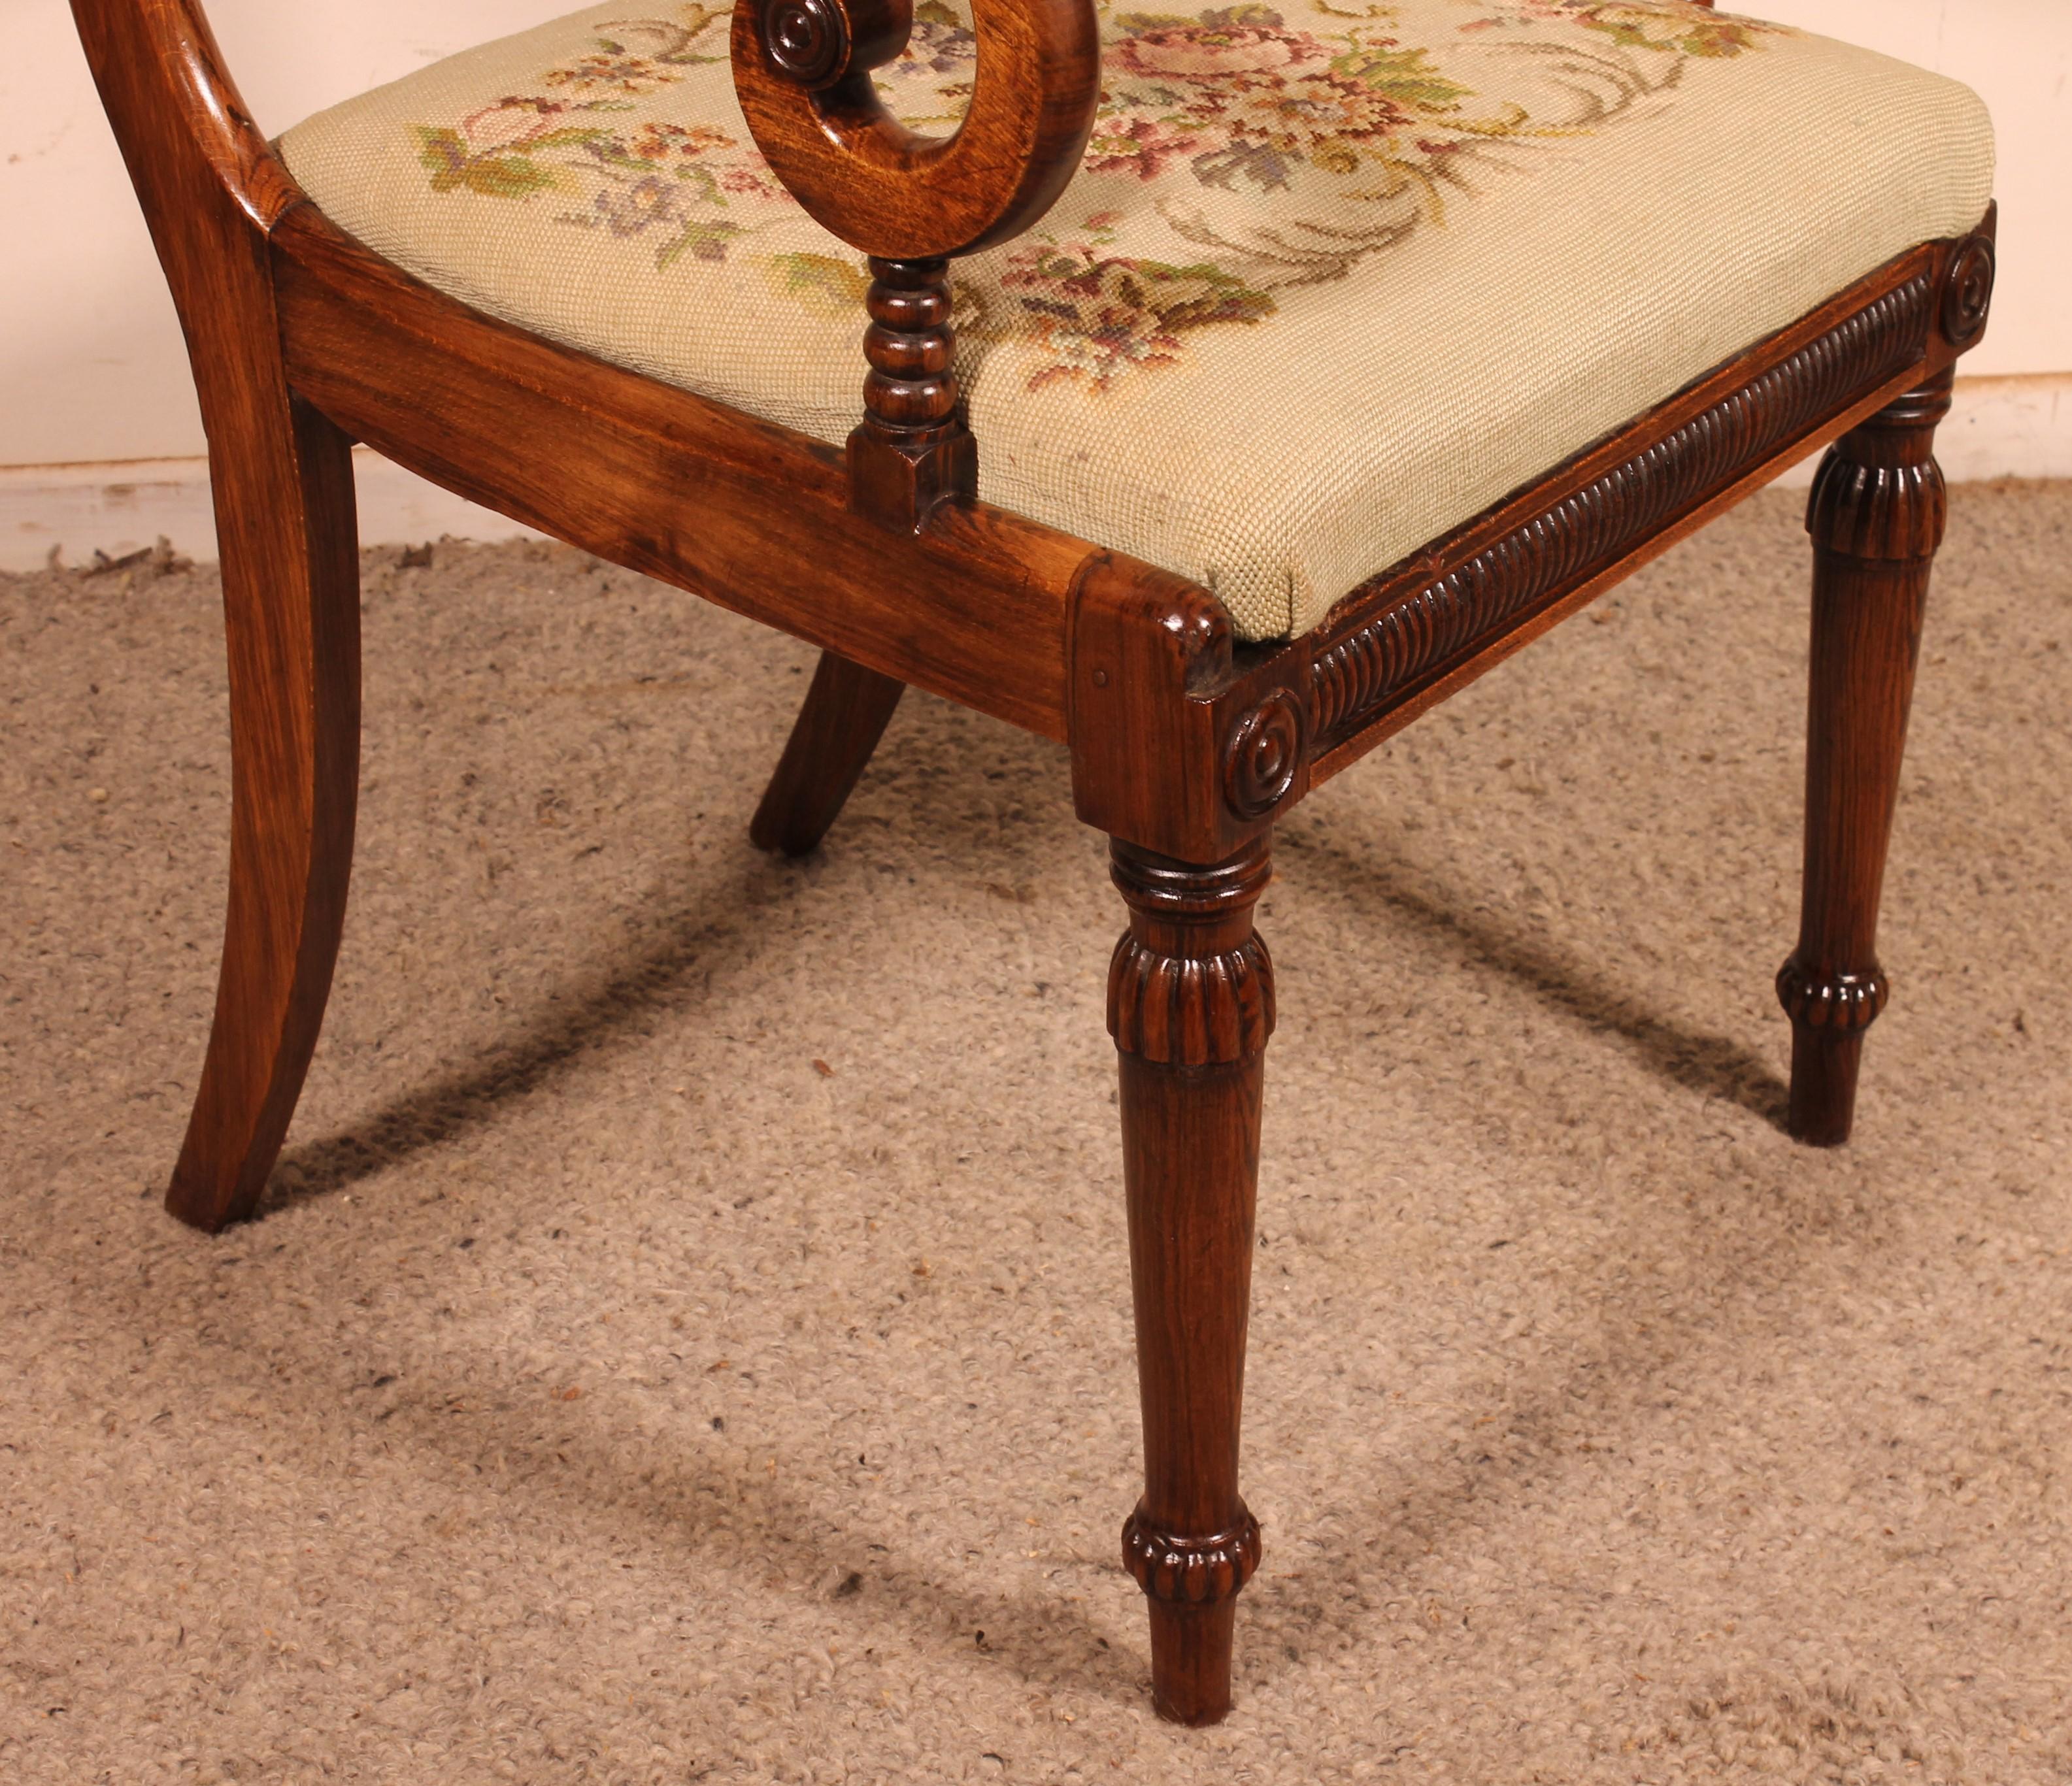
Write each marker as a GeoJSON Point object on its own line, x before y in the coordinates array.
{"type": "Point", "coordinates": [909, 201]}
{"type": "Point", "coordinates": [911, 450]}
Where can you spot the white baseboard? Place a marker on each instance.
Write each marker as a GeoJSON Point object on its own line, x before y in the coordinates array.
{"type": "Point", "coordinates": [2014, 427]}
{"type": "Point", "coordinates": [126, 505]}
{"type": "Point", "coordinates": [2019, 426]}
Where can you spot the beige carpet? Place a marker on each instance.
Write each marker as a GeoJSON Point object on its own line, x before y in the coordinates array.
{"type": "Point", "coordinates": [689, 1338]}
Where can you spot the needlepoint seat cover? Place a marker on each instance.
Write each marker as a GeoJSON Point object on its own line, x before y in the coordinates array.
{"type": "Point", "coordinates": [1330, 280]}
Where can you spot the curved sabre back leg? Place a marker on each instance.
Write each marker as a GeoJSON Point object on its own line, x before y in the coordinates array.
{"type": "Point", "coordinates": [212, 192]}
{"type": "Point", "coordinates": [844, 714]}
{"type": "Point", "coordinates": [291, 609]}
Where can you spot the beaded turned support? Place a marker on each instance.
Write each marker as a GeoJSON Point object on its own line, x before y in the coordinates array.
{"type": "Point", "coordinates": [912, 450]}
{"type": "Point", "coordinates": [910, 201]}
{"type": "Point", "coordinates": [1876, 515]}
{"type": "Point", "coordinates": [1190, 1006]}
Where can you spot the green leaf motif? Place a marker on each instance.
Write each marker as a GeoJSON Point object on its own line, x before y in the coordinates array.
{"type": "Point", "coordinates": [1727, 38]}
{"type": "Point", "coordinates": [442, 154]}
{"type": "Point", "coordinates": [497, 176]}
{"type": "Point", "coordinates": [701, 181]}
{"type": "Point", "coordinates": [703, 238]}
{"type": "Point", "coordinates": [1228, 299]}
{"type": "Point", "coordinates": [1713, 38]}
{"type": "Point", "coordinates": [506, 177]}
{"type": "Point", "coordinates": [820, 282]}
{"type": "Point", "coordinates": [1403, 76]}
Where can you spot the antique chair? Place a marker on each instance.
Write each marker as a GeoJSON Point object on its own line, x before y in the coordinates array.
{"type": "Point", "coordinates": [1365, 343]}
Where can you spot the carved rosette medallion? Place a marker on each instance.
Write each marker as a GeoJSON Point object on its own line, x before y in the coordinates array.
{"type": "Point", "coordinates": [1967, 291]}
{"type": "Point", "coordinates": [1264, 755]}
{"type": "Point", "coordinates": [1190, 1571]}
{"type": "Point", "coordinates": [1842, 1003]}
{"type": "Point", "coordinates": [807, 41]}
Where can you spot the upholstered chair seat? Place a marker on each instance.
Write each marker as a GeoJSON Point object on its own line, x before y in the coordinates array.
{"type": "Point", "coordinates": [1327, 283]}
{"type": "Point", "coordinates": [1236, 387]}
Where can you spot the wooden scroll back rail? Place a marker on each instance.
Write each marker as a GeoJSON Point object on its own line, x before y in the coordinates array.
{"type": "Point", "coordinates": [1186, 748]}
{"type": "Point", "coordinates": [802, 71]}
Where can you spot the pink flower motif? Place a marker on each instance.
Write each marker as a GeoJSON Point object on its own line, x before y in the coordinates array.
{"type": "Point", "coordinates": [752, 182]}
{"type": "Point", "coordinates": [1143, 147]}
{"type": "Point", "coordinates": [1208, 52]}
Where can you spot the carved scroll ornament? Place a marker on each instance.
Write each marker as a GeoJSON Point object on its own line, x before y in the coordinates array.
{"type": "Point", "coordinates": [802, 71]}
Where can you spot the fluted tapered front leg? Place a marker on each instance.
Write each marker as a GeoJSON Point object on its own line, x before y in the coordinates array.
{"type": "Point", "coordinates": [1191, 1005]}
{"type": "Point", "coordinates": [1876, 516]}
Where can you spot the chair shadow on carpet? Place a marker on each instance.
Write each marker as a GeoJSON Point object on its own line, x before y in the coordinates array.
{"type": "Point", "coordinates": [597, 1011]}
{"type": "Point", "coordinates": [1370, 876]}
{"type": "Point", "coordinates": [732, 1515]}
{"type": "Point", "coordinates": [718, 1510]}
{"type": "Point", "coordinates": [606, 1000]}
{"type": "Point", "coordinates": [1374, 880]}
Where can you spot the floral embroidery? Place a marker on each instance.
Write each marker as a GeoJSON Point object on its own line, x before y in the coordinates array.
{"type": "Point", "coordinates": [1243, 98]}
{"type": "Point", "coordinates": [1653, 24]}
{"type": "Point", "coordinates": [1277, 154]}
{"type": "Point", "coordinates": [656, 173]}
{"type": "Point", "coordinates": [1096, 315]}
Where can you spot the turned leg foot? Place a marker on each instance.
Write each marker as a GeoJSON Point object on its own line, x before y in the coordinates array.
{"type": "Point", "coordinates": [1191, 1005]}
{"type": "Point", "coordinates": [1876, 516]}
{"type": "Point", "coordinates": [845, 713]}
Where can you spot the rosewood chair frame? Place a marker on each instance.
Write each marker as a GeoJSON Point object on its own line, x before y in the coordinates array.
{"type": "Point", "coordinates": [1186, 748]}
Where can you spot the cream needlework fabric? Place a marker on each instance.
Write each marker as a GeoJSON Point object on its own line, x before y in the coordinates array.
{"type": "Point", "coordinates": [1330, 280]}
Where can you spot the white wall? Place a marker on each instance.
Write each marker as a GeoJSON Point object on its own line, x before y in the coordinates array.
{"type": "Point", "coordinates": [2018, 54]}
{"type": "Point", "coordinates": [91, 365]}
{"type": "Point", "coordinates": [92, 369]}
